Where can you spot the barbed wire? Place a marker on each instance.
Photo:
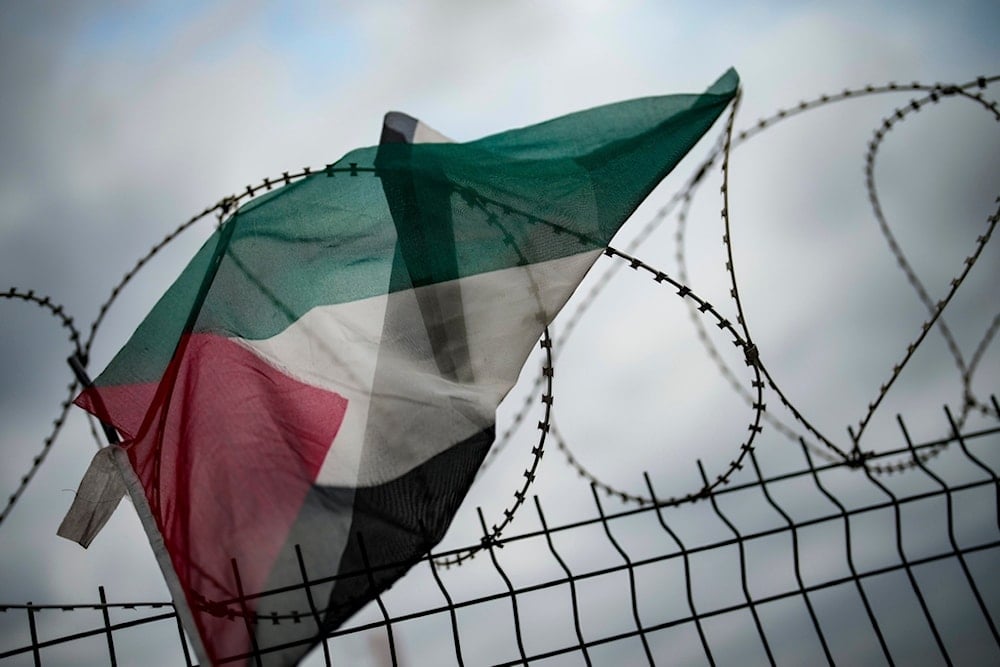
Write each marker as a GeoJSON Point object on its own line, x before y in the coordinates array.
{"type": "Point", "coordinates": [935, 92]}
{"type": "Point", "coordinates": [685, 196]}
{"type": "Point", "coordinates": [66, 322]}
{"type": "Point", "coordinates": [698, 307]}
{"type": "Point", "coordinates": [934, 309]}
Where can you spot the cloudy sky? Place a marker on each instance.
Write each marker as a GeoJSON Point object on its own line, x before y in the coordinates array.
{"type": "Point", "coordinates": [118, 121]}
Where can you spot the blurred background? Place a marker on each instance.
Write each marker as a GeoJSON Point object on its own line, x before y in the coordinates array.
{"type": "Point", "coordinates": [119, 121]}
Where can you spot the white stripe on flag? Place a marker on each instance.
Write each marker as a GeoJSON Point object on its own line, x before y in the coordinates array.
{"type": "Point", "coordinates": [417, 413]}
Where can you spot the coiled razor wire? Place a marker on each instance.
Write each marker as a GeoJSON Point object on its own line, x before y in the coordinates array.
{"type": "Point", "coordinates": [684, 197]}
{"type": "Point", "coordinates": [698, 307]}
{"type": "Point", "coordinates": [66, 322]}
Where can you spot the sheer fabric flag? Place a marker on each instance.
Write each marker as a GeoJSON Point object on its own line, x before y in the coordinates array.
{"type": "Point", "coordinates": [314, 394]}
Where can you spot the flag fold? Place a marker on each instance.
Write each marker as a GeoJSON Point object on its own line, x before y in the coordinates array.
{"type": "Point", "coordinates": [312, 397]}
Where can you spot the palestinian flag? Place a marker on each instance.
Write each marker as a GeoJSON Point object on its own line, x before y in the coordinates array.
{"type": "Point", "coordinates": [314, 394]}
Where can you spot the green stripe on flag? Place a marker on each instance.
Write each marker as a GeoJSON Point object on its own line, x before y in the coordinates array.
{"type": "Point", "coordinates": [520, 197]}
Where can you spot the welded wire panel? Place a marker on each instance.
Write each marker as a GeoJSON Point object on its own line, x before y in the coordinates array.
{"type": "Point", "coordinates": [742, 576]}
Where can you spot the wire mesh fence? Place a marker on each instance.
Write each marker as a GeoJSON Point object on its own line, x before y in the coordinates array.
{"type": "Point", "coordinates": [793, 585]}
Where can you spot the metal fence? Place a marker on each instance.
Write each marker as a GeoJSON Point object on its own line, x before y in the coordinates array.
{"type": "Point", "coordinates": [938, 580]}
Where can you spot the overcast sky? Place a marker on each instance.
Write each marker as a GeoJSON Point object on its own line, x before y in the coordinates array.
{"type": "Point", "coordinates": [118, 121]}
